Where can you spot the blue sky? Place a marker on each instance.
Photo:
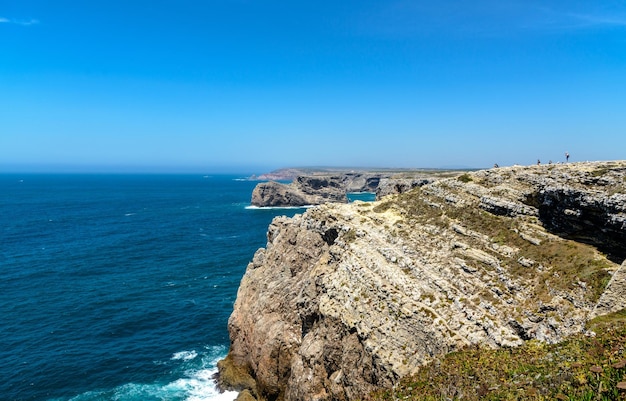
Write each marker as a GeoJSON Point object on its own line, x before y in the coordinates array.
{"type": "Point", "coordinates": [219, 85]}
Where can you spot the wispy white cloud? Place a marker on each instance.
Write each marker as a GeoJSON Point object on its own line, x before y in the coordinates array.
{"type": "Point", "coordinates": [598, 20]}
{"type": "Point", "coordinates": [406, 18]}
{"type": "Point", "coordinates": [564, 20]}
{"type": "Point", "coordinates": [29, 22]}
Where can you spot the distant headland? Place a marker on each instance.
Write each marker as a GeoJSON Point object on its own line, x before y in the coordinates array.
{"type": "Point", "coordinates": [314, 186]}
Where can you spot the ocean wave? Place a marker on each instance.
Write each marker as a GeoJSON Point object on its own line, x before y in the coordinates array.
{"type": "Point", "coordinates": [195, 382]}
{"type": "Point", "coordinates": [185, 355]}
{"type": "Point", "coordinates": [200, 386]}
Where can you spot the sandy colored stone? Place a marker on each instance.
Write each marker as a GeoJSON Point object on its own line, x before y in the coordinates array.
{"type": "Point", "coordinates": [348, 298]}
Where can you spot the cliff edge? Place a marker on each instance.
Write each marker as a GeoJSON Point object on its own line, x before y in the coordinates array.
{"type": "Point", "coordinates": [347, 298]}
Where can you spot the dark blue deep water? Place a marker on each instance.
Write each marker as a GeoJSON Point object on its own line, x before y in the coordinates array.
{"type": "Point", "coordinates": [119, 287]}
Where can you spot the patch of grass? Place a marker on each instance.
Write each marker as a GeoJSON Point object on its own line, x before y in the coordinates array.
{"type": "Point", "coordinates": [570, 263]}
{"type": "Point", "coordinates": [600, 323]}
{"type": "Point", "coordinates": [349, 236]}
{"type": "Point", "coordinates": [580, 368]}
{"type": "Point", "coordinates": [429, 313]}
{"type": "Point", "coordinates": [413, 205]}
{"type": "Point", "coordinates": [600, 172]}
{"type": "Point", "coordinates": [429, 296]}
{"type": "Point", "coordinates": [382, 207]}
{"type": "Point", "coordinates": [464, 178]}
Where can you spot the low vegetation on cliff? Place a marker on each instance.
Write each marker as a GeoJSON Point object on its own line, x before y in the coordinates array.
{"type": "Point", "coordinates": [583, 367]}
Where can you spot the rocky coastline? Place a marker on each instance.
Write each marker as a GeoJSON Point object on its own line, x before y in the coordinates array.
{"type": "Point", "coordinates": [316, 187]}
{"type": "Point", "coordinates": [346, 299]}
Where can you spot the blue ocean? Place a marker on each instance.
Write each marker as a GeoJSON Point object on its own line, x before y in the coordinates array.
{"type": "Point", "coordinates": [119, 287]}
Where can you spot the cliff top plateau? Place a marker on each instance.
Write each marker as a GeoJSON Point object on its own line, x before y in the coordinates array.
{"type": "Point", "coordinates": [291, 173]}
{"type": "Point", "coordinates": [347, 299]}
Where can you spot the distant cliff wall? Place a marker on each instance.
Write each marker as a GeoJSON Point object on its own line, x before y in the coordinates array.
{"type": "Point", "coordinates": [347, 298]}
{"type": "Point", "coordinates": [319, 188]}
{"type": "Point", "coordinates": [391, 186]}
{"type": "Point", "coordinates": [302, 191]}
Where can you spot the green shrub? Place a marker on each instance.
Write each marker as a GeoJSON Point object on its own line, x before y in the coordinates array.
{"type": "Point", "coordinates": [465, 178]}
{"type": "Point", "coordinates": [580, 368]}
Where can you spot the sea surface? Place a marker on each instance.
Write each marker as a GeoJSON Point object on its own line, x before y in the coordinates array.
{"type": "Point", "coordinates": [119, 287]}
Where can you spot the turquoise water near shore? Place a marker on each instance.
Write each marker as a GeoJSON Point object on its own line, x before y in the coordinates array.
{"type": "Point", "coordinates": [361, 196]}
{"type": "Point", "coordinates": [119, 287]}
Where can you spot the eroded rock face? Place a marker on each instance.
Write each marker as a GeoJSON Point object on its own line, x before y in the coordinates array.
{"type": "Point", "coordinates": [346, 299]}
{"type": "Point", "coordinates": [301, 192]}
{"type": "Point", "coordinates": [317, 189]}
{"type": "Point", "coordinates": [587, 217]}
{"type": "Point", "coordinates": [391, 186]}
{"type": "Point", "coordinates": [614, 297]}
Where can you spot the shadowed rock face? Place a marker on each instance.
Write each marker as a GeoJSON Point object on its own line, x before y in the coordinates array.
{"type": "Point", "coordinates": [347, 298]}
{"type": "Point", "coordinates": [390, 186]}
{"type": "Point", "coordinates": [596, 220]}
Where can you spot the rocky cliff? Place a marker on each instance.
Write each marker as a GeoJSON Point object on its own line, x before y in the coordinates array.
{"type": "Point", "coordinates": [319, 187]}
{"type": "Point", "coordinates": [391, 186]}
{"type": "Point", "coordinates": [303, 191]}
{"type": "Point", "coordinates": [347, 298]}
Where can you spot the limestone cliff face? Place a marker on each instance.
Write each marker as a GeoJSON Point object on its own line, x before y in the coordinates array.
{"type": "Point", "coordinates": [347, 298]}
{"type": "Point", "coordinates": [302, 191]}
{"type": "Point", "coordinates": [391, 186]}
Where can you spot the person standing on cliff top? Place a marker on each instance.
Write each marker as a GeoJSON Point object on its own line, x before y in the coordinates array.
{"type": "Point", "coordinates": [566, 157]}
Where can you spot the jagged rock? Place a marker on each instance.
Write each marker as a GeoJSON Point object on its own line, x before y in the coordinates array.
{"type": "Point", "coordinates": [347, 298]}
{"type": "Point", "coordinates": [362, 182]}
{"type": "Point", "coordinates": [506, 208]}
{"type": "Point", "coordinates": [614, 298]}
{"type": "Point", "coordinates": [390, 186]}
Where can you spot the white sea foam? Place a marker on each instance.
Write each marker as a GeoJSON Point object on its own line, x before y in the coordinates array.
{"type": "Point", "coordinates": [196, 383]}
{"type": "Point", "coordinates": [250, 207]}
{"type": "Point", "coordinates": [200, 386]}
{"type": "Point", "coordinates": [185, 355]}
